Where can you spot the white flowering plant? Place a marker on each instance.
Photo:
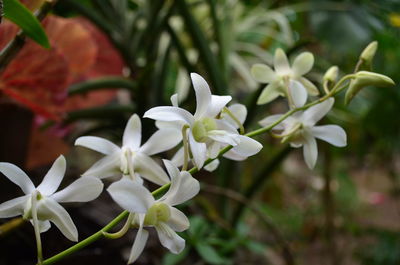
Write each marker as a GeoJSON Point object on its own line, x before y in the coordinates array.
{"type": "Point", "coordinates": [215, 130]}
{"type": "Point", "coordinates": [152, 194]}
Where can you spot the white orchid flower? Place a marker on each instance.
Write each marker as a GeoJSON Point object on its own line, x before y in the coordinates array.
{"type": "Point", "coordinates": [45, 198]}
{"type": "Point", "coordinates": [132, 159]}
{"type": "Point", "coordinates": [286, 80]}
{"type": "Point", "coordinates": [160, 214]}
{"type": "Point", "coordinates": [300, 130]}
{"type": "Point", "coordinates": [204, 132]}
{"type": "Point", "coordinates": [230, 119]}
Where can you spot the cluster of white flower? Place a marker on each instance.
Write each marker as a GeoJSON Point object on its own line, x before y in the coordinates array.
{"type": "Point", "coordinates": [212, 128]}
{"type": "Point", "coordinates": [299, 129]}
{"type": "Point", "coordinates": [204, 134]}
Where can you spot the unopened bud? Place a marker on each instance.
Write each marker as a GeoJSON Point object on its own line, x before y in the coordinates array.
{"type": "Point", "coordinates": [331, 74]}
{"type": "Point", "coordinates": [363, 79]}
{"type": "Point", "coordinates": [369, 52]}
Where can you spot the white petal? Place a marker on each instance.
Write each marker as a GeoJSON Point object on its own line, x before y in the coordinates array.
{"type": "Point", "coordinates": [203, 95]}
{"type": "Point", "coordinates": [240, 113]}
{"type": "Point", "coordinates": [224, 137]}
{"type": "Point", "coordinates": [178, 221]}
{"type": "Point", "coordinates": [133, 133]}
{"type": "Point", "coordinates": [149, 169]}
{"type": "Point", "coordinates": [312, 115]}
{"type": "Point", "coordinates": [332, 134]}
{"type": "Point", "coordinates": [131, 196]}
{"type": "Point", "coordinates": [172, 170]}
{"type": "Point", "coordinates": [223, 124]}
{"type": "Point", "coordinates": [269, 93]}
{"type": "Point", "coordinates": [311, 88]}
{"type": "Point", "coordinates": [263, 73]}
{"type": "Point", "coordinates": [303, 63]}
{"type": "Point", "coordinates": [298, 93]}
{"type": "Point", "coordinates": [247, 146]}
{"type": "Point", "coordinates": [233, 155]}
{"type": "Point", "coordinates": [83, 189]}
{"type": "Point", "coordinates": [53, 178]}
{"type": "Point", "coordinates": [162, 140]}
{"type": "Point", "coordinates": [213, 165]}
{"type": "Point", "coordinates": [169, 114]}
{"type": "Point", "coordinates": [13, 207]}
{"type": "Point", "coordinates": [213, 149]}
{"type": "Point", "coordinates": [16, 175]}
{"type": "Point", "coordinates": [44, 226]}
{"type": "Point", "coordinates": [170, 125]}
{"type": "Point", "coordinates": [281, 63]}
{"type": "Point", "coordinates": [139, 244]}
{"type": "Point", "coordinates": [97, 144]}
{"type": "Point", "coordinates": [217, 104]}
{"type": "Point", "coordinates": [183, 188]}
{"type": "Point", "coordinates": [169, 238]}
{"type": "Point", "coordinates": [177, 159]}
{"type": "Point", "coordinates": [199, 151]}
{"type": "Point", "coordinates": [310, 151]}
{"type": "Point", "coordinates": [272, 119]}
{"type": "Point", "coordinates": [106, 167]}
{"type": "Point", "coordinates": [49, 209]}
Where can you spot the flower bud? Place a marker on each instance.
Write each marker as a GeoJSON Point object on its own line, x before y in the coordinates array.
{"type": "Point", "coordinates": [332, 74]}
{"type": "Point", "coordinates": [363, 79]}
{"type": "Point", "coordinates": [369, 52]}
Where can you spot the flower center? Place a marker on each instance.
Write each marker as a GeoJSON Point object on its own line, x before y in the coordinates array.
{"type": "Point", "coordinates": [158, 212]}
{"type": "Point", "coordinates": [126, 166]}
{"type": "Point", "coordinates": [28, 207]}
{"type": "Point", "coordinates": [201, 127]}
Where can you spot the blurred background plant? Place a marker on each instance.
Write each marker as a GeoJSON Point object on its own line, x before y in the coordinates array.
{"type": "Point", "coordinates": [111, 58]}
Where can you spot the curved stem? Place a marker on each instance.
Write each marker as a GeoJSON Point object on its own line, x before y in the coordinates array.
{"type": "Point", "coordinates": [123, 230]}
{"type": "Point", "coordinates": [157, 193]}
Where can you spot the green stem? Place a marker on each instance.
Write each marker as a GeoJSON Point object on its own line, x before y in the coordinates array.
{"type": "Point", "coordinates": [157, 193]}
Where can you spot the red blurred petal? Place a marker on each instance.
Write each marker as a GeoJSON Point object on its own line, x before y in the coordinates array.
{"type": "Point", "coordinates": [44, 148]}
{"type": "Point", "coordinates": [8, 31]}
{"type": "Point", "coordinates": [108, 60]}
{"type": "Point", "coordinates": [36, 78]}
{"type": "Point", "coordinates": [73, 41]}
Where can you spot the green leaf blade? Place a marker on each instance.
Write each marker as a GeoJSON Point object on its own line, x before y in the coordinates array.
{"type": "Point", "coordinates": [20, 15]}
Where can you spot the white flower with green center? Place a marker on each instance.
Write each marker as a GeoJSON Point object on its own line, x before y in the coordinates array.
{"type": "Point", "coordinates": [286, 80]}
{"type": "Point", "coordinates": [132, 159]}
{"type": "Point", "coordinates": [230, 119]}
{"type": "Point", "coordinates": [43, 202]}
{"type": "Point", "coordinates": [160, 214]}
{"type": "Point", "coordinates": [300, 130]}
{"type": "Point", "coordinates": [203, 132]}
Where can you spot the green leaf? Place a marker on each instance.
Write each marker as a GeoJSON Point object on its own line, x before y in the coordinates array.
{"type": "Point", "coordinates": [20, 15]}
{"type": "Point", "coordinates": [209, 254]}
